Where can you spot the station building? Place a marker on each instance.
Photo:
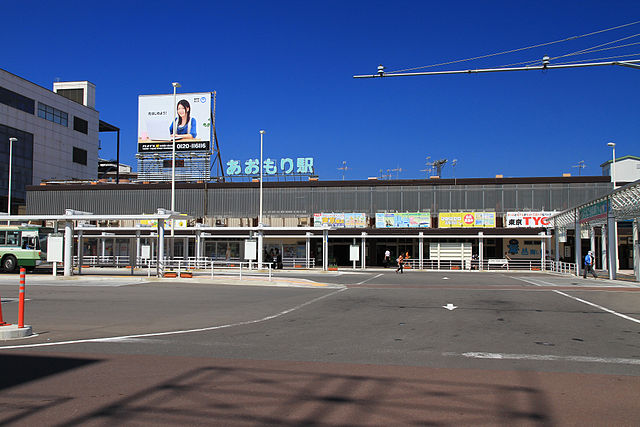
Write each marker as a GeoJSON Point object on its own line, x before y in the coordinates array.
{"type": "Point", "coordinates": [226, 214]}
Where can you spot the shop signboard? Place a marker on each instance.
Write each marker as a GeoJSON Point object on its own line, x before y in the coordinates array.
{"type": "Point", "coordinates": [467, 220]}
{"type": "Point", "coordinates": [155, 122]}
{"type": "Point", "coordinates": [340, 219]}
{"type": "Point", "coordinates": [403, 220]}
{"type": "Point", "coordinates": [179, 223]}
{"type": "Point", "coordinates": [527, 219]}
{"type": "Point", "coordinates": [593, 212]}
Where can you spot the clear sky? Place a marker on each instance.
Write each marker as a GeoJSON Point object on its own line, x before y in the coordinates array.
{"type": "Point", "coordinates": [287, 67]}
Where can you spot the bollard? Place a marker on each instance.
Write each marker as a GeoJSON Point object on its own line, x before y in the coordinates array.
{"type": "Point", "coordinates": [21, 299]}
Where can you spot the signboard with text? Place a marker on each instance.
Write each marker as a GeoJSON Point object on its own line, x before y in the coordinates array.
{"type": "Point", "coordinates": [340, 219]}
{"type": "Point", "coordinates": [156, 120]}
{"type": "Point", "coordinates": [270, 167]}
{"type": "Point", "coordinates": [467, 220]}
{"type": "Point", "coordinates": [403, 219]}
{"type": "Point", "coordinates": [593, 212]}
{"type": "Point", "coordinates": [527, 219]}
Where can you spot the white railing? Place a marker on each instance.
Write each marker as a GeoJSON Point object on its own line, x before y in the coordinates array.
{"type": "Point", "coordinates": [180, 267]}
{"type": "Point", "coordinates": [562, 267]}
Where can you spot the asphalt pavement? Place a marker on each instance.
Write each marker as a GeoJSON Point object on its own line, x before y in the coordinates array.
{"type": "Point", "coordinates": [313, 348]}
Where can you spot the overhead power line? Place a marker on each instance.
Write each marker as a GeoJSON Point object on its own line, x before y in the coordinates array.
{"type": "Point", "coordinates": [516, 50]}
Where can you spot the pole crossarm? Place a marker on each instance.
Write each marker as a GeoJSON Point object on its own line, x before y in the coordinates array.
{"type": "Point", "coordinates": [624, 204]}
{"type": "Point", "coordinates": [634, 63]}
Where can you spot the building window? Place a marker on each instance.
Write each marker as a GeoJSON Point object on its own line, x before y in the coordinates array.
{"type": "Point", "coordinates": [53, 114]}
{"type": "Point", "coordinates": [21, 163]}
{"type": "Point", "coordinates": [80, 125]}
{"type": "Point", "coordinates": [15, 100]}
{"type": "Point", "coordinates": [79, 156]}
{"type": "Point", "coordinates": [76, 95]}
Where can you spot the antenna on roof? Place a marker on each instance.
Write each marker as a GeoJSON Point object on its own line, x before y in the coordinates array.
{"type": "Point", "coordinates": [344, 168]}
{"type": "Point", "coordinates": [397, 170]}
{"type": "Point", "coordinates": [580, 166]}
{"type": "Point", "coordinates": [429, 167]}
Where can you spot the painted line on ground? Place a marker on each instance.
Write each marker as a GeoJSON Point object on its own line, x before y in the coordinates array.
{"type": "Point", "coordinates": [124, 338]}
{"type": "Point", "coordinates": [546, 357]}
{"type": "Point", "coordinates": [624, 316]}
{"type": "Point", "coordinates": [370, 278]}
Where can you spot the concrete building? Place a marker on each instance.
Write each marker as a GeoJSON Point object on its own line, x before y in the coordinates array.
{"type": "Point", "coordinates": [56, 132]}
{"type": "Point", "coordinates": [627, 169]}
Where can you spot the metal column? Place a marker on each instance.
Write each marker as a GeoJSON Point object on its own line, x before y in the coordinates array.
{"type": "Point", "coordinates": [613, 244]}
{"type": "Point", "coordinates": [421, 250]}
{"type": "Point", "coordinates": [480, 251]}
{"type": "Point", "coordinates": [160, 256]}
{"type": "Point", "coordinates": [578, 244]}
{"type": "Point", "coordinates": [636, 249]}
{"type": "Point", "coordinates": [68, 248]}
{"type": "Point", "coordinates": [363, 249]}
{"type": "Point", "coordinates": [325, 249]}
{"type": "Point", "coordinates": [307, 251]}
{"type": "Point", "coordinates": [79, 252]}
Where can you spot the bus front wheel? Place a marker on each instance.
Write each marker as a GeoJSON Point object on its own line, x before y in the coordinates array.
{"type": "Point", "coordinates": [9, 263]}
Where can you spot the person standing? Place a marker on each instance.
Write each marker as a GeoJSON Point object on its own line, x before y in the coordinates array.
{"type": "Point", "coordinates": [400, 261]}
{"type": "Point", "coordinates": [589, 262]}
{"type": "Point", "coordinates": [387, 258]}
{"type": "Point", "coordinates": [278, 259]}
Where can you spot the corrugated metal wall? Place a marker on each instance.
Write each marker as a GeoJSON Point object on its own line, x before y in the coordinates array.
{"type": "Point", "coordinates": [305, 201]}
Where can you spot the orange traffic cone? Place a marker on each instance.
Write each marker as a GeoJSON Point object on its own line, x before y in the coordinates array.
{"type": "Point", "coordinates": [2, 322]}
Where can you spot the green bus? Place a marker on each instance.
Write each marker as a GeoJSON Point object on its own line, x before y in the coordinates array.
{"type": "Point", "coordinates": [22, 246]}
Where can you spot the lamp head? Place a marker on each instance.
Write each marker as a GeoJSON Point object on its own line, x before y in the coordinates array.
{"type": "Point", "coordinates": [13, 140]}
{"type": "Point", "coordinates": [176, 84]}
{"type": "Point", "coordinates": [262, 132]}
{"type": "Point", "coordinates": [611, 144]}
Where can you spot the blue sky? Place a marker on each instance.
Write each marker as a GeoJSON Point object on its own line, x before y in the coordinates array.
{"type": "Point", "coordinates": [287, 67]}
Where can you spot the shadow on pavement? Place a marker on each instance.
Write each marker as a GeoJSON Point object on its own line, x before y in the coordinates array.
{"type": "Point", "coordinates": [244, 396]}
{"type": "Point", "coordinates": [19, 369]}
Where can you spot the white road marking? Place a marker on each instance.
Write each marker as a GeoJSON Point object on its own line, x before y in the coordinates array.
{"type": "Point", "coordinates": [624, 316]}
{"type": "Point", "coordinates": [546, 357]}
{"type": "Point", "coordinates": [370, 278]}
{"type": "Point", "coordinates": [186, 331]}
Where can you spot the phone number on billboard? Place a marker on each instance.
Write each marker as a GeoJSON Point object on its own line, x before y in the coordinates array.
{"type": "Point", "coordinates": [145, 147]}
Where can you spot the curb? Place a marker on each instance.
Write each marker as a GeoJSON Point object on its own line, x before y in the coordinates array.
{"type": "Point", "coordinates": [12, 332]}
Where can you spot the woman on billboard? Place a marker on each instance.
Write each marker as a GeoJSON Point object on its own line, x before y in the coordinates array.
{"type": "Point", "coordinates": [186, 128]}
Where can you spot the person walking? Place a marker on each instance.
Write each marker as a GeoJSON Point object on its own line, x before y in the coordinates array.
{"type": "Point", "coordinates": [387, 258]}
{"type": "Point", "coordinates": [400, 261]}
{"type": "Point", "coordinates": [589, 262]}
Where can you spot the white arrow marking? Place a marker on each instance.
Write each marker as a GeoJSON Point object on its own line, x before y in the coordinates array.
{"type": "Point", "coordinates": [450, 307]}
{"type": "Point", "coordinates": [445, 278]}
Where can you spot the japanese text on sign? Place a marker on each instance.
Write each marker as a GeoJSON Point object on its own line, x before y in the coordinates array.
{"type": "Point", "coordinates": [286, 166]}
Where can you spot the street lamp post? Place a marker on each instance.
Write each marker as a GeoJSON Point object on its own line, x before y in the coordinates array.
{"type": "Point", "coordinates": [173, 161]}
{"type": "Point", "coordinates": [613, 164]}
{"type": "Point", "coordinates": [612, 225]}
{"type": "Point", "coordinates": [260, 237]}
{"type": "Point", "coordinates": [11, 141]}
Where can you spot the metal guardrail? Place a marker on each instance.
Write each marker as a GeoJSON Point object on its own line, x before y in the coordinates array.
{"type": "Point", "coordinates": [193, 263]}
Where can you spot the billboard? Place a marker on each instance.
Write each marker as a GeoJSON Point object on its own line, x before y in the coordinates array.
{"type": "Point", "coordinates": [467, 220]}
{"type": "Point", "coordinates": [340, 220]}
{"type": "Point", "coordinates": [155, 122]}
{"type": "Point", "coordinates": [403, 220]}
{"type": "Point", "coordinates": [527, 219]}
